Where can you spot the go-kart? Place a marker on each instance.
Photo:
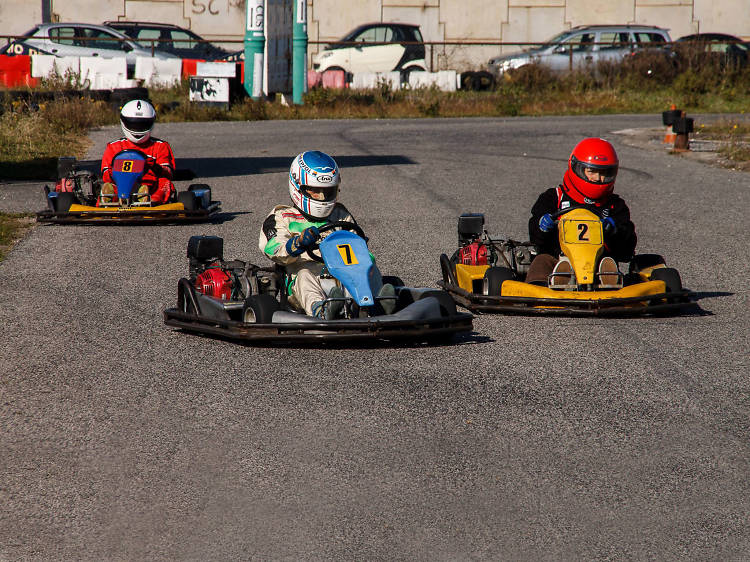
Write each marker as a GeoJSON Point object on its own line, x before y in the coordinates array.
{"type": "Point", "coordinates": [243, 301]}
{"type": "Point", "coordinates": [77, 198]}
{"type": "Point", "coordinates": [488, 275]}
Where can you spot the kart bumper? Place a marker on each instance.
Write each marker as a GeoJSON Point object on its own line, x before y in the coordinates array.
{"type": "Point", "coordinates": [416, 323]}
{"type": "Point", "coordinates": [167, 213]}
{"type": "Point", "coordinates": [523, 298]}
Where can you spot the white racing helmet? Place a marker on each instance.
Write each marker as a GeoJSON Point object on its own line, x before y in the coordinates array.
{"type": "Point", "coordinates": [316, 170]}
{"type": "Point", "coordinates": [137, 119]}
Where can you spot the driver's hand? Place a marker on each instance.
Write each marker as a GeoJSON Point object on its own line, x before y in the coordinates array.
{"type": "Point", "coordinates": [302, 242]}
{"type": "Point", "coordinates": [150, 161]}
{"type": "Point", "coordinates": [609, 226]}
{"type": "Point", "coordinates": [546, 223]}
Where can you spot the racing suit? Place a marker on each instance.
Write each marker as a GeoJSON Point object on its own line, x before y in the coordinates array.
{"type": "Point", "coordinates": [620, 245]}
{"type": "Point", "coordinates": [158, 175]}
{"type": "Point", "coordinates": [280, 225]}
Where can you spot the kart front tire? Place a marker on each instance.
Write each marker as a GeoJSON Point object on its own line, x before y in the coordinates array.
{"type": "Point", "coordinates": [447, 304]}
{"type": "Point", "coordinates": [494, 278]}
{"type": "Point", "coordinates": [63, 201]}
{"type": "Point", "coordinates": [670, 276]}
{"type": "Point", "coordinates": [188, 200]}
{"type": "Point", "coordinates": [259, 309]}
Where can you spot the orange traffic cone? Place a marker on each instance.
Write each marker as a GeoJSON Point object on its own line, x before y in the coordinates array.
{"type": "Point", "coordinates": [670, 136]}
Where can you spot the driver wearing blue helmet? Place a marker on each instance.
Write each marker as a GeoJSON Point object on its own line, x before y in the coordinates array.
{"type": "Point", "coordinates": [289, 231]}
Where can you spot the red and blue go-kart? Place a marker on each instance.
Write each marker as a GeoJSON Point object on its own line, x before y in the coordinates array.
{"type": "Point", "coordinates": [77, 198]}
{"type": "Point", "coordinates": [245, 302]}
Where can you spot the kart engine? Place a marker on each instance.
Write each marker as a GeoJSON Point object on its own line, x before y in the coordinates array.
{"type": "Point", "coordinates": [215, 281]}
{"type": "Point", "coordinates": [473, 254]}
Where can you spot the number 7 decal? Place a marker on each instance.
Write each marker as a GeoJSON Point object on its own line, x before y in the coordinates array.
{"type": "Point", "coordinates": [347, 255]}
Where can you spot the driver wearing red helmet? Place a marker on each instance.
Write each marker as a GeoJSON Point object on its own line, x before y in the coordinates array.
{"type": "Point", "coordinates": [588, 181]}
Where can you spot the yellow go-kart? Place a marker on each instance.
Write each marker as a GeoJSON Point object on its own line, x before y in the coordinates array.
{"type": "Point", "coordinates": [488, 275]}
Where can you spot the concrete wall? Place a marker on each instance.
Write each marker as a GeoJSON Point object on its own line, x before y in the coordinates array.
{"type": "Point", "coordinates": [441, 20]}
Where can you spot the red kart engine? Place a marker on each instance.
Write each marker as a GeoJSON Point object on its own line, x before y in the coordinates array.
{"type": "Point", "coordinates": [215, 282]}
{"type": "Point", "coordinates": [473, 254]}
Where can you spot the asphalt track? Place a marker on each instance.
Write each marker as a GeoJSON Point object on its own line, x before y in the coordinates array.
{"type": "Point", "coordinates": [532, 438]}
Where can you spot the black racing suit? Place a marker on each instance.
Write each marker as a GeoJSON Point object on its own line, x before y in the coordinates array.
{"type": "Point", "coordinates": [620, 245]}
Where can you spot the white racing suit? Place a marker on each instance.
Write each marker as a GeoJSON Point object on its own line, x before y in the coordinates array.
{"type": "Point", "coordinates": [280, 225]}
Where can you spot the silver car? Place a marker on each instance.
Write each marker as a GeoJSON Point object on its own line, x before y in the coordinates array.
{"type": "Point", "coordinates": [80, 40]}
{"type": "Point", "coordinates": [583, 47]}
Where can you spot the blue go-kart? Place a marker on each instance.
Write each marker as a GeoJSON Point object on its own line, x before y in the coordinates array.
{"type": "Point", "coordinates": [77, 198]}
{"type": "Point", "coordinates": [243, 301]}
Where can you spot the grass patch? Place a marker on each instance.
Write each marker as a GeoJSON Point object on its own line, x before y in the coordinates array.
{"type": "Point", "coordinates": [13, 227]}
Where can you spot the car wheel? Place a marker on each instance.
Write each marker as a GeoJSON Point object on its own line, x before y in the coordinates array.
{"type": "Point", "coordinates": [494, 278]}
{"type": "Point", "coordinates": [447, 304]}
{"type": "Point", "coordinates": [259, 309]}
{"type": "Point", "coordinates": [63, 201]}
{"type": "Point", "coordinates": [188, 200]}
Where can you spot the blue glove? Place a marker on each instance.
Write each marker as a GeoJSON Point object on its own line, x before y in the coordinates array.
{"type": "Point", "coordinates": [546, 223]}
{"type": "Point", "coordinates": [609, 226]}
{"type": "Point", "coordinates": [302, 242]}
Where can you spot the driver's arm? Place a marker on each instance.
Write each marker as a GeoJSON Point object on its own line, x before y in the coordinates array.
{"type": "Point", "coordinates": [274, 234]}
{"type": "Point", "coordinates": [545, 242]}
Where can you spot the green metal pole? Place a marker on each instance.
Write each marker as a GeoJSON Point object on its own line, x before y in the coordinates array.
{"type": "Point", "coordinates": [299, 51]}
{"type": "Point", "coordinates": [255, 43]}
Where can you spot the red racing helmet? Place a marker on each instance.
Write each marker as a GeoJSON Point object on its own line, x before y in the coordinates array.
{"type": "Point", "coordinates": [591, 173]}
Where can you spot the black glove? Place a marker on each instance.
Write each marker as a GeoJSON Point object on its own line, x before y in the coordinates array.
{"type": "Point", "coordinates": [609, 226]}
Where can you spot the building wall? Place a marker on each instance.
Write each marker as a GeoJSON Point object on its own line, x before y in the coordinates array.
{"type": "Point", "coordinates": [497, 21]}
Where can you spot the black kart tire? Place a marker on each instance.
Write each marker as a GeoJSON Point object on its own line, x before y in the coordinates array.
{"type": "Point", "coordinates": [259, 309]}
{"type": "Point", "coordinates": [393, 280]}
{"type": "Point", "coordinates": [642, 261]}
{"type": "Point", "coordinates": [188, 200]}
{"type": "Point", "coordinates": [494, 278]}
{"type": "Point", "coordinates": [448, 270]}
{"type": "Point", "coordinates": [447, 304]}
{"type": "Point", "coordinates": [194, 186]}
{"type": "Point", "coordinates": [467, 80]}
{"type": "Point", "coordinates": [63, 201]}
{"type": "Point", "coordinates": [670, 276]}
{"type": "Point", "coordinates": [483, 81]}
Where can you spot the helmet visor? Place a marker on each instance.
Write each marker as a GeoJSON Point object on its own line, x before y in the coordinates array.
{"type": "Point", "coordinates": [137, 124]}
{"type": "Point", "coordinates": [594, 173]}
{"type": "Point", "coordinates": [316, 193]}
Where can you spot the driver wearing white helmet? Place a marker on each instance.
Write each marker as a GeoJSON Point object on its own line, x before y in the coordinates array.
{"type": "Point", "coordinates": [137, 119]}
{"type": "Point", "coordinates": [289, 231]}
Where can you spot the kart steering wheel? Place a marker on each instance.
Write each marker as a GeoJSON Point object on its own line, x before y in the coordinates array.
{"type": "Point", "coordinates": [560, 212]}
{"type": "Point", "coordinates": [337, 225]}
{"type": "Point", "coordinates": [145, 156]}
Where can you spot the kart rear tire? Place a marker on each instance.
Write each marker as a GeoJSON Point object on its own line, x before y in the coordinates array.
{"type": "Point", "coordinates": [494, 278]}
{"type": "Point", "coordinates": [449, 270]}
{"type": "Point", "coordinates": [259, 309]}
{"type": "Point", "coordinates": [194, 186]}
{"type": "Point", "coordinates": [447, 304]}
{"type": "Point", "coordinates": [188, 200]}
{"type": "Point", "coordinates": [671, 278]}
{"type": "Point", "coordinates": [63, 201]}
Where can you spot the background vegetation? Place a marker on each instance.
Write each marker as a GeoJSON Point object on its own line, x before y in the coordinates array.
{"type": "Point", "coordinates": [34, 133]}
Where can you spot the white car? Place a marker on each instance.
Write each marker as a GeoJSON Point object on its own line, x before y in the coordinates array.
{"type": "Point", "coordinates": [375, 47]}
{"type": "Point", "coordinates": [80, 40]}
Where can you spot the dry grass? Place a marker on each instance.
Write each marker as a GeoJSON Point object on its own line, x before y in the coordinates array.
{"type": "Point", "coordinates": [13, 227]}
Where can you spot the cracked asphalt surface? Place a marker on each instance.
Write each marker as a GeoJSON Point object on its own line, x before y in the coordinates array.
{"type": "Point", "coordinates": [532, 438]}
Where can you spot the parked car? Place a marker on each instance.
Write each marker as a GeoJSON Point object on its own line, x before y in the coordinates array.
{"type": "Point", "coordinates": [381, 47]}
{"type": "Point", "coordinates": [79, 40]}
{"type": "Point", "coordinates": [169, 38]}
{"type": "Point", "coordinates": [585, 46]}
{"type": "Point", "coordinates": [728, 48]}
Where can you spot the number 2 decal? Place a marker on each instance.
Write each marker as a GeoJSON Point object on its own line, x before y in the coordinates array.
{"type": "Point", "coordinates": [583, 232]}
{"type": "Point", "coordinates": [347, 255]}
